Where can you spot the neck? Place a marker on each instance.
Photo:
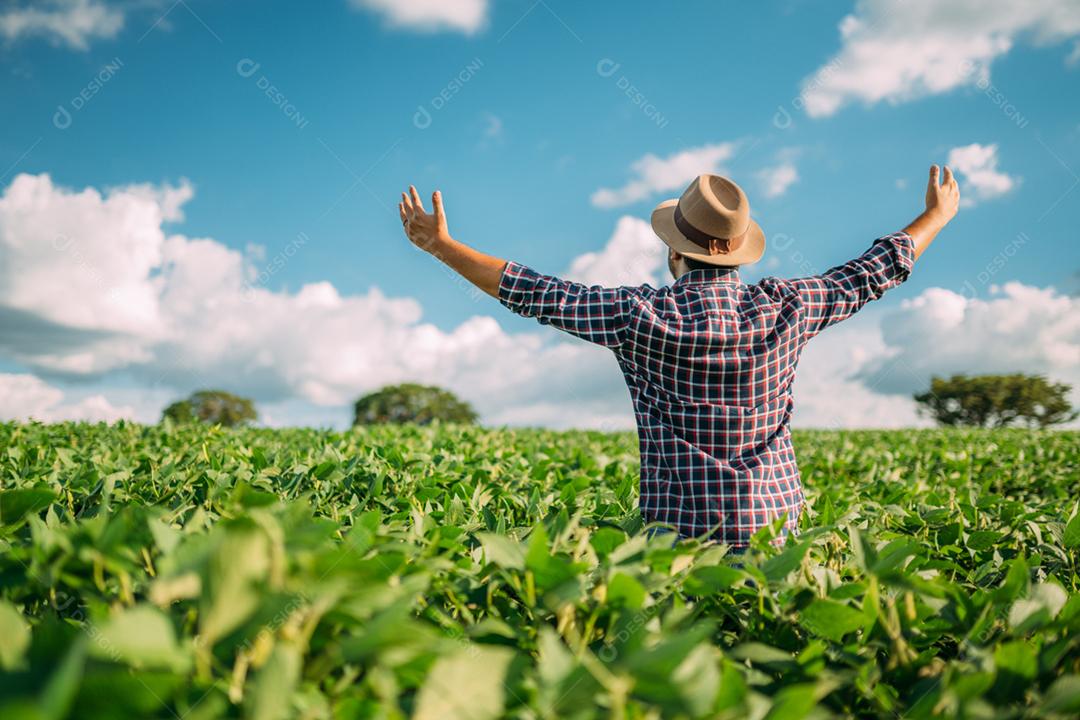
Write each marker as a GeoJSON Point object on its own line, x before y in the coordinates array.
{"type": "Point", "coordinates": [683, 269]}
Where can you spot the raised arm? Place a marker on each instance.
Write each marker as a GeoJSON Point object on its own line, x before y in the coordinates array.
{"type": "Point", "coordinates": [429, 232]}
{"type": "Point", "coordinates": [840, 292]}
{"type": "Point", "coordinates": [596, 314]}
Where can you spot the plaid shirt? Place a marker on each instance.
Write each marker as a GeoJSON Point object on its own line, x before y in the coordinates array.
{"type": "Point", "coordinates": [709, 362]}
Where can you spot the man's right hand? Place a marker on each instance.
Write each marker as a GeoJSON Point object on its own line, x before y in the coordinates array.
{"type": "Point", "coordinates": [427, 231]}
{"type": "Point", "coordinates": [942, 200]}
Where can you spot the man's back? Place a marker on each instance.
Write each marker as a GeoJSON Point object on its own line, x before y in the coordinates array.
{"type": "Point", "coordinates": [709, 362]}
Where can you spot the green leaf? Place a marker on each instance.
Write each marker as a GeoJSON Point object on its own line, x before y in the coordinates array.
{"type": "Point", "coordinates": [968, 686]}
{"type": "Point", "coordinates": [1015, 584]}
{"type": "Point", "coordinates": [502, 550]}
{"type": "Point", "coordinates": [14, 636]}
{"type": "Point", "coordinates": [17, 504]}
{"type": "Point", "coordinates": [863, 551]}
{"type": "Point", "coordinates": [733, 688]}
{"type": "Point", "coordinates": [275, 682]}
{"type": "Point", "coordinates": [239, 564]}
{"type": "Point", "coordinates": [1039, 608]}
{"type": "Point", "coordinates": [141, 637]}
{"type": "Point", "coordinates": [60, 691]}
{"type": "Point", "coordinates": [605, 540]}
{"type": "Point", "coordinates": [537, 554]}
{"type": "Point", "coordinates": [1063, 696]}
{"type": "Point", "coordinates": [247, 496]}
{"type": "Point", "coordinates": [679, 673]}
{"type": "Point", "coordinates": [165, 537]}
{"type": "Point", "coordinates": [698, 680]}
{"type": "Point", "coordinates": [625, 591]}
{"type": "Point", "coordinates": [793, 702]}
{"type": "Point", "coordinates": [831, 619]}
{"type": "Point", "coordinates": [780, 566]}
{"type": "Point", "coordinates": [392, 635]}
{"type": "Point", "coordinates": [761, 653]}
{"type": "Point", "coordinates": [1017, 665]}
{"type": "Point", "coordinates": [549, 571]}
{"type": "Point", "coordinates": [1071, 537]}
{"type": "Point", "coordinates": [827, 511]}
{"type": "Point", "coordinates": [465, 685]}
{"type": "Point", "coordinates": [166, 590]}
{"type": "Point", "coordinates": [982, 539]}
{"type": "Point", "coordinates": [892, 555]}
{"type": "Point", "coordinates": [554, 661]}
{"type": "Point", "coordinates": [1071, 609]}
{"type": "Point", "coordinates": [565, 686]}
{"type": "Point", "coordinates": [115, 691]}
{"type": "Point", "coordinates": [712, 579]}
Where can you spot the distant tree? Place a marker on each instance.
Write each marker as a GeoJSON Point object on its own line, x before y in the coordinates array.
{"type": "Point", "coordinates": [412, 403]}
{"type": "Point", "coordinates": [215, 407]}
{"type": "Point", "coordinates": [997, 400]}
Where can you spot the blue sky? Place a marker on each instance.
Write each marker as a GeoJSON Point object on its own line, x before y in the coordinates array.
{"type": "Point", "coordinates": [526, 110]}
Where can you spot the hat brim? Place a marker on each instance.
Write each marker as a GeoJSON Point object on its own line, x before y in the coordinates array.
{"type": "Point", "coordinates": [663, 224]}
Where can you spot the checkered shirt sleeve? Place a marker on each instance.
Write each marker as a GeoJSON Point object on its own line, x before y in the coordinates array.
{"type": "Point", "coordinates": [597, 314]}
{"type": "Point", "coordinates": [840, 292]}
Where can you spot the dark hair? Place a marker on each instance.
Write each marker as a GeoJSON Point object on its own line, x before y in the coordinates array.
{"type": "Point", "coordinates": [693, 264]}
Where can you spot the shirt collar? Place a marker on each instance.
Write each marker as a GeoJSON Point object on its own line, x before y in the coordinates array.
{"type": "Point", "coordinates": [705, 276]}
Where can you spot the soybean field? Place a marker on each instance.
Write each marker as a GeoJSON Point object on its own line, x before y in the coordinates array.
{"type": "Point", "coordinates": [461, 573]}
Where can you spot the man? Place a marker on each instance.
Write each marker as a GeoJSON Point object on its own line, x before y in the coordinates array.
{"type": "Point", "coordinates": [709, 360]}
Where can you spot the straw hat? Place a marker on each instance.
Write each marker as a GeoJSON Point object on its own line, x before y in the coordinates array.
{"type": "Point", "coordinates": [711, 223]}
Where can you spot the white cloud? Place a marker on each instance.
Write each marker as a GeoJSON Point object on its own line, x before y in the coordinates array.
{"type": "Point", "coordinates": [608, 416]}
{"type": "Point", "coordinates": [27, 397]}
{"type": "Point", "coordinates": [653, 174]}
{"type": "Point", "coordinates": [776, 180]}
{"type": "Point", "coordinates": [979, 178]}
{"type": "Point", "coordinates": [83, 261]}
{"type": "Point", "coordinates": [899, 51]}
{"type": "Point", "coordinates": [193, 321]}
{"type": "Point", "coordinates": [467, 16]}
{"type": "Point", "coordinates": [74, 22]}
{"type": "Point", "coordinates": [863, 372]}
{"type": "Point", "coordinates": [1019, 328]}
{"type": "Point", "coordinates": [634, 255]}
{"type": "Point", "coordinates": [828, 390]}
{"type": "Point", "coordinates": [118, 293]}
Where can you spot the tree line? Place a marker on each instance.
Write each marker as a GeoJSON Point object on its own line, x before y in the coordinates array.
{"type": "Point", "coordinates": [960, 400]}
{"type": "Point", "coordinates": [406, 403]}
